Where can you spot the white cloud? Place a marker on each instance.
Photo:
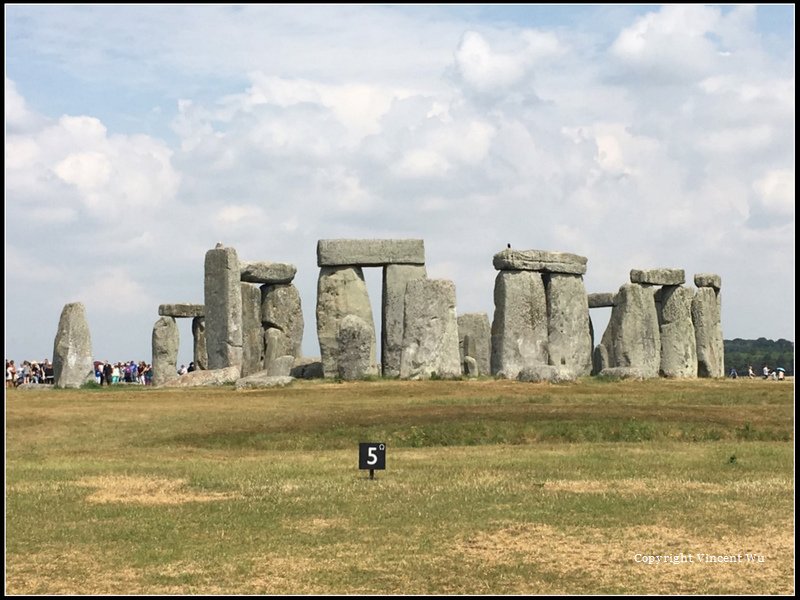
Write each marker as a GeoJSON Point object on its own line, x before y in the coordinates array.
{"type": "Point", "coordinates": [776, 192]}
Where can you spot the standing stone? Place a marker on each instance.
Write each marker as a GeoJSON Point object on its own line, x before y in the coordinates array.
{"type": "Point", "coordinates": [708, 333]}
{"type": "Point", "coordinates": [341, 291]}
{"type": "Point", "coordinates": [223, 301]}
{"type": "Point", "coordinates": [252, 333]}
{"type": "Point", "coordinates": [355, 340]}
{"type": "Point", "coordinates": [395, 278]}
{"type": "Point", "coordinates": [475, 340]}
{"type": "Point", "coordinates": [281, 308]}
{"type": "Point", "coordinates": [632, 337]}
{"type": "Point", "coordinates": [678, 346]}
{"type": "Point", "coordinates": [568, 333]}
{"type": "Point", "coordinates": [430, 330]}
{"type": "Point", "coordinates": [72, 350]}
{"type": "Point", "coordinates": [470, 366]}
{"type": "Point", "coordinates": [276, 344]}
{"type": "Point", "coordinates": [166, 340]}
{"type": "Point", "coordinates": [519, 328]}
{"type": "Point", "coordinates": [199, 337]}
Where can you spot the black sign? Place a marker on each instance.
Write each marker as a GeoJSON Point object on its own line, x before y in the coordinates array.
{"type": "Point", "coordinates": [371, 455]}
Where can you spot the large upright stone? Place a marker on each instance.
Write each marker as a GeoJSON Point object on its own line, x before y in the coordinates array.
{"type": "Point", "coordinates": [72, 350]}
{"type": "Point", "coordinates": [355, 339]}
{"type": "Point", "coordinates": [395, 278]}
{"type": "Point", "coordinates": [166, 340]}
{"type": "Point", "coordinates": [252, 333]}
{"type": "Point", "coordinates": [281, 309]}
{"type": "Point", "coordinates": [430, 330]}
{"type": "Point", "coordinates": [568, 333]}
{"type": "Point", "coordinates": [276, 344]}
{"type": "Point", "coordinates": [341, 291]}
{"type": "Point", "coordinates": [632, 337]}
{"type": "Point", "coordinates": [200, 354]}
{"type": "Point", "coordinates": [519, 328]}
{"type": "Point", "coordinates": [678, 349]}
{"type": "Point", "coordinates": [658, 276]}
{"type": "Point", "coordinates": [539, 260]}
{"type": "Point", "coordinates": [475, 340]}
{"type": "Point", "coordinates": [266, 272]}
{"type": "Point", "coordinates": [365, 253]}
{"type": "Point", "coordinates": [181, 310]}
{"type": "Point", "coordinates": [223, 301]}
{"type": "Point", "coordinates": [708, 333]}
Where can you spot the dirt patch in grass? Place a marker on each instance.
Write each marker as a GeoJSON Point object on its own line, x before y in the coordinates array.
{"type": "Point", "coordinates": [661, 486]}
{"type": "Point", "coordinates": [316, 524]}
{"type": "Point", "coordinates": [594, 560]}
{"type": "Point", "coordinates": [145, 490]}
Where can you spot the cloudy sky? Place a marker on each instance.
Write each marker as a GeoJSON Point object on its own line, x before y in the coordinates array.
{"type": "Point", "coordinates": [136, 137]}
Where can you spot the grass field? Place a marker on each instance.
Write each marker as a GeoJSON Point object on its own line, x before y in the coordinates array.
{"type": "Point", "coordinates": [491, 487]}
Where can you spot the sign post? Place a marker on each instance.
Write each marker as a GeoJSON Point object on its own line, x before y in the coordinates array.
{"type": "Point", "coordinates": [372, 456]}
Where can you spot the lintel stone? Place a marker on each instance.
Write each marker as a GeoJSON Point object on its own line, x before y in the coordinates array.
{"type": "Point", "coordinates": [369, 253]}
{"type": "Point", "coordinates": [184, 310]}
{"type": "Point", "coordinates": [540, 260]}
{"type": "Point", "coordinates": [658, 276]}
{"type": "Point", "coordinates": [711, 280]}
{"type": "Point", "coordinates": [602, 300]}
{"type": "Point", "coordinates": [266, 272]}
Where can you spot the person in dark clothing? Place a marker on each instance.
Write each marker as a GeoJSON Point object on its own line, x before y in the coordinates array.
{"type": "Point", "coordinates": [108, 372]}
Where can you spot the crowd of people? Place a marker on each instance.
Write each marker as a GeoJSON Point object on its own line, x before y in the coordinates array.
{"type": "Point", "coordinates": [105, 372]}
{"type": "Point", "coordinates": [28, 372]}
{"type": "Point", "coordinates": [779, 374]}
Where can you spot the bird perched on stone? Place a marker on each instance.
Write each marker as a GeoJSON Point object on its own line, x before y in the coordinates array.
{"type": "Point", "coordinates": [509, 246]}
{"type": "Point", "coordinates": [218, 246]}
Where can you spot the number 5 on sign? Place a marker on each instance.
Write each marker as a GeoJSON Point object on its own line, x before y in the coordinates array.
{"type": "Point", "coordinates": [372, 455]}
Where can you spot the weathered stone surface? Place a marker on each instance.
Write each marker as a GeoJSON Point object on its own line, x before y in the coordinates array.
{"type": "Point", "coordinates": [355, 339]}
{"type": "Point", "coordinates": [281, 366]}
{"type": "Point", "coordinates": [624, 373]}
{"type": "Point", "coordinates": [166, 340]}
{"type": "Point", "coordinates": [658, 276]}
{"type": "Point", "coordinates": [601, 300]}
{"type": "Point", "coordinates": [72, 349]}
{"type": "Point", "coordinates": [263, 380]}
{"type": "Point", "coordinates": [223, 302]}
{"type": "Point", "coordinates": [36, 386]}
{"type": "Point", "coordinates": [181, 310]}
{"type": "Point", "coordinates": [519, 328]}
{"type": "Point", "coordinates": [711, 280]}
{"type": "Point", "coordinates": [470, 366]}
{"type": "Point", "coordinates": [364, 253]}
{"type": "Point", "coordinates": [475, 340]}
{"type": "Point", "coordinates": [539, 260]}
{"type": "Point", "coordinates": [276, 344]}
{"type": "Point", "coordinates": [678, 346]}
{"type": "Point", "coordinates": [599, 359]}
{"type": "Point", "coordinates": [395, 278]}
{"type": "Point", "coordinates": [568, 334]}
{"type": "Point", "coordinates": [708, 333]}
{"type": "Point", "coordinates": [206, 378]}
{"type": "Point", "coordinates": [266, 272]}
{"type": "Point", "coordinates": [281, 308]}
{"type": "Point", "coordinates": [253, 346]}
{"type": "Point", "coordinates": [341, 291]}
{"type": "Point", "coordinates": [200, 354]}
{"type": "Point", "coordinates": [430, 330]}
{"type": "Point", "coordinates": [632, 338]}
{"type": "Point", "coordinates": [550, 373]}
{"type": "Point", "coordinates": [307, 368]}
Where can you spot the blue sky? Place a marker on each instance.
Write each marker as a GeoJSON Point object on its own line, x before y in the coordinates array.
{"type": "Point", "coordinates": [639, 136]}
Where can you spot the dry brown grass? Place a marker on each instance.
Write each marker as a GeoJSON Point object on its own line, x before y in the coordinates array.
{"type": "Point", "coordinates": [145, 490]}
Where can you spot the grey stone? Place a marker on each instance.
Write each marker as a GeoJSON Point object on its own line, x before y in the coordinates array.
{"type": "Point", "coordinates": [307, 368]}
{"type": "Point", "coordinates": [253, 346]}
{"type": "Point", "coordinates": [568, 334]}
{"type": "Point", "coordinates": [72, 349]}
{"type": "Point", "coordinates": [206, 378]}
{"type": "Point", "coordinates": [678, 346]}
{"type": "Point", "coordinates": [223, 302]}
{"type": "Point", "coordinates": [181, 310]}
{"type": "Point", "coordinates": [708, 333]}
{"type": "Point", "coordinates": [395, 278]}
{"type": "Point", "coordinates": [632, 338]}
{"type": "Point", "coordinates": [601, 300]}
{"type": "Point", "coordinates": [281, 308]}
{"type": "Point", "coordinates": [599, 359]}
{"type": "Point", "coordinates": [624, 373]}
{"type": "Point", "coordinates": [711, 280]}
{"type": "Point", "coordinates": [355, 339]}
{"type": "Point", "coordinates": [43, 387]}
{"type": "Point", "coordinates": [200, 353]}
{"type": "Point", "coordinates": [549, 373]}
{"type": "Point", "coordinates": [281, 366]}
{"type": "Point", "coordinates": [341, 291]}
{"type": "Point", "coordinates": [263, 380]}
{"type": "Point", "coordinates": [276, 344]}
{"type": "Point", "coordinates": [519, 328]}
{"type": "Point", "coordinates": [658, 276]}
{"type": "Point", "coordinates": [470, 366]}
{"type": "Point", "coordinates": [475, 340]}
{"type": "Point", "coordinates": [364, 253]}
{"type": "Point", "coordinates": [266, 272]}
{"type": "Point", "coordinates": [166, 340]}
{"type": "Point", "coordinates": [539, 260]}
{"type": "Point", "coordinates": [430, 331]}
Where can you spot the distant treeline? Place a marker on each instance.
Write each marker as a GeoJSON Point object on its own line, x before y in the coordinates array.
{"type": "Point", "coordinates": [740, 353]}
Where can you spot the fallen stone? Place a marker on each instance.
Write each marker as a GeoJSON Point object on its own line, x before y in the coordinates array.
{"type": "Point", "coordinates": [263, 380]}
{"type": "Point", "coordinates": [658, 276]}
{"type": "Point", "coordinates": [266, 272]}
{"type": "Point", "coordinates": [623, 373]}
{"type": "Point", "coordinates": [307, 368]}
{"type": "Point", "coordinates": [212, 377]}
{"type": "Point", "coordinates": [281, 366]}
{"type": "Point", "coordinates": [181, 310]}
{"type": "Point", "coordinates": [549, 373]}
{"type": "Point", "coordinates": [540, 260]}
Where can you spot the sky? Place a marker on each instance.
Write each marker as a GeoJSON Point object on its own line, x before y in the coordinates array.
{"type": "Point", "coordinates": [137, 137]}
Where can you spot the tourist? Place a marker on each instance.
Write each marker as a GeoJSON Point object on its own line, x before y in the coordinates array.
{"type": "Point", "coordinates": [765, 371]}
{"type": "Point", "coordinates": [750, 372]}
